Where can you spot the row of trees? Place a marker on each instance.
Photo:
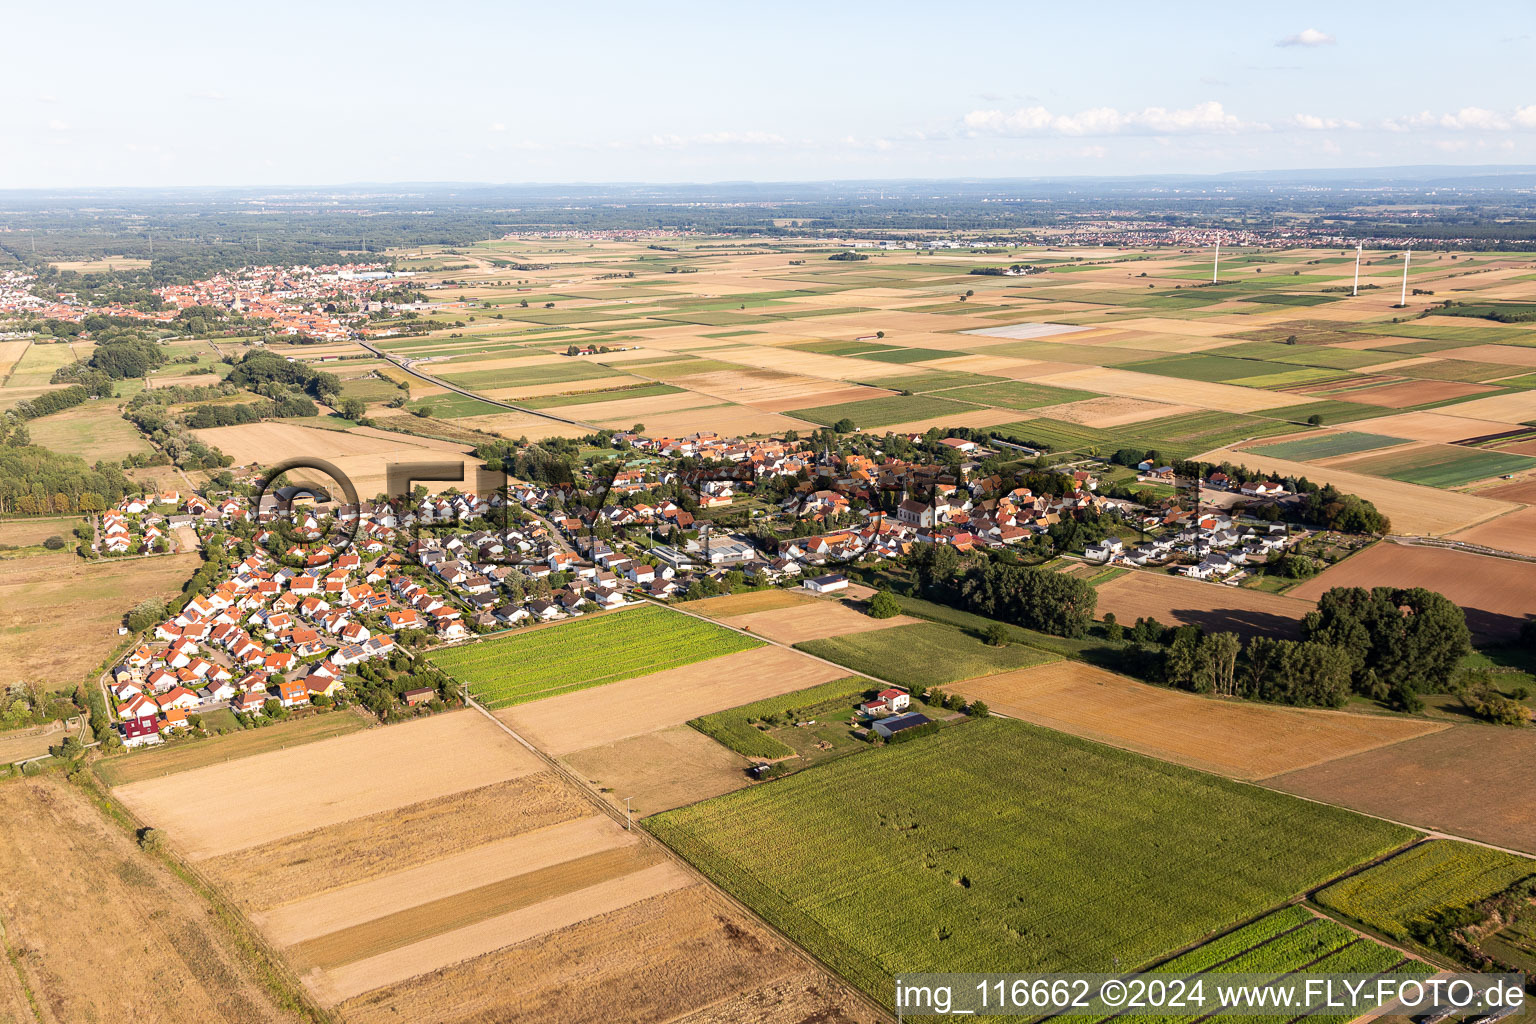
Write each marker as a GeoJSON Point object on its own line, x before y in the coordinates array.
{"type": "Point", "coordinates": [1037, 599]}
{"type": "Point", "coordinates": [37, 481]}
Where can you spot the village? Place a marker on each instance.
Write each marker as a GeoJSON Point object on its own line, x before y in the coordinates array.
{"type": "Point", "coordinates": [328, 587]}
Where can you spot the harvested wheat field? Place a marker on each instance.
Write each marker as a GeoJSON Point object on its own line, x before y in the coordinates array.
{"type": "Point", "coordinates": [604, 714]}
{"type": "Point", "coordinates": [1413, 508]}
{"type": "Point", "coordinates": [1496, 593]}
{"type": "Point", "coordinates": [1152, 388]}
{"type": "Point", "coordinates": [323, 859]}
{"type": "Point", "coordinates": [1516, 407]}
{"type": "Point", "coordinates": [96, 925]}
{"type": "Point", "coordinates": [728, 420]}
{"type": "Point", "coordinates": [812, 621]}
{"type": "Point", "coordinates": [366, 915]}
{"type": "Point", "coordinates": [1431, 426]}
{"type": "Point", "coordinates": [286, 792]}
{"type": "Point", "coordinates": [960, 418]}
{"type": "Point", "coordinates": [744, 604]}
{"type": "Point", "coordinates": [660, 770]}
{"type": "Point", "coordinates": [1178, 601]}
{"type": "Point", "coordinates": [1110, 412]}
{"type": "Point", "coordinates": [1236, 738]}
{"type": "Point", "coordinates": [679, 956]}
{"type": "Point", "coordinates": [1470, 780]}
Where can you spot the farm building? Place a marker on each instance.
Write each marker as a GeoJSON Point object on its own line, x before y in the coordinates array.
{"type": "Point", "coordinates": [885, 728]}
{"type": "Point", "coordinates": [419, 696]}
{"type": "Point", "coordinates": [827, 584]}
{"type": "Point", "coordinates": [886, 702]}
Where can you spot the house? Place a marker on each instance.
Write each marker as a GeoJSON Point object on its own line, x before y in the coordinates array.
{"type": "Point", "coordinates": [827, 584]}
{"type": "Point", "coordinates": [419, 696]}
{"type": "Point", "coordinates": [141, 732]}
{"type": "Point", "coordinates": [1104, 550]}
{"type": "Point", "coordinates": [219, 690]}
{"type": "Point", "coordinates": [885, 728]}
{"type": "Point", "coordinates": [292, 693]}
{"type": "Point", "coordinates": [887, 702]}
{"type": "Point", "coordinates": [178, 697]}
{"type": "Point", "coordinates": [175, 719]}
{"type": "Point", "coordinates": [250, 702]}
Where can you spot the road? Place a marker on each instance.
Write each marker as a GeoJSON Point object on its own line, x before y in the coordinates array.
{"type": "Point", "coordinates": [405, 364]}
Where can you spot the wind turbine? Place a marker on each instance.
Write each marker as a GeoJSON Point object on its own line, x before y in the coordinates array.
{"type": "Point", "coordinates": [1358, 247]}
{"type": "Point", "coordinates": [1216, 266]}
{"type": "Point", "coordinates": [1407, 257]}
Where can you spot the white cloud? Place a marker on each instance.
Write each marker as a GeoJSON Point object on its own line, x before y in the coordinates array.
{"type": "Point", "coordinates": [498, 127]}
{"type": "Point", "coordinates": [1525, 117]}
{"type": "Point", "coordinates": [717, 139]}
{"type": "Point", "coordinates": [1208, 118]}
{"type": "Point", "coordinates": [1308, 37]}
{"type": "Point", "coordinates": [1467, 119]}
{"type": "Point", "coordinates": [58, 126]}
{"type": "Point", "coordinates": [1313, 123]}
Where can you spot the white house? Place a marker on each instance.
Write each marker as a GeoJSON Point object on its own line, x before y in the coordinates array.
{"type": "Point", "coordinates": [827, 584]}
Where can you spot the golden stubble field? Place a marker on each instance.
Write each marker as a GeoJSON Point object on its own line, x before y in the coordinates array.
{"type": "Point", "coordinates": [392, 865]}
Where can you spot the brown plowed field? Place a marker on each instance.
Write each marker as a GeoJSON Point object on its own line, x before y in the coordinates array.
{"type": "Point", "coordinates": [604, 714]}
{"type": "Point", "coordinates": [1513, 532]}
{"type": "Point", "coordinates": [1496, 593]}
{"type": "Point", "coordinates": [661, 770]}
{"type": "Point", "coordinates": [812, 621]}
{"type": "Point", "coordinates": [327, 858]}
{"type": "Point", "coordinates": [1412, 392]}
{"type": "Point", "coordinates": [484, 936]}
{"type": "Point", "coordinates": [1472, 780]}
{"type": "Point", "coordinates": [654, 961]}
{"type": "Point", "coordinates": [1239, 739]}
{"type": "Point", "coordinates": [98, 926]}
{"type": "Point", "coordinates": [237, 804]}
{"type": "Point", "coordinates": [1177, 601]}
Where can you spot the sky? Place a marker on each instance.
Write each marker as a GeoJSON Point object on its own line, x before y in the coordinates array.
{"type": "Point", "coordinates": [326, 93]}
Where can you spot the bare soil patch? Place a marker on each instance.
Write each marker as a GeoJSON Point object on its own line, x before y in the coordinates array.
{"type": "Point", "coordinates": [1471, 780]}
{"type": "Point", "coordinates": [1153, 388]}
{"type": "Point", "coordinates": [657, 960]}
{"type": "Point", "coordinates": [324, 859]}
{"type": "Point", "coordinates": [1513, 532]}
{"type": "Point", "coordinates": [1431, 426]}
{"type": "Point", "coordinates": [1523, 491]}
{"type": "Point", "coordinates": [1176, 601]}
{"type": "Point", "coordinates": [604, 714]}
{"type": "Point", "coordinates": [255, 800]}
{"type": "Point", "coordinates": [1496, 593]}
{"type": "Point", "coordinates": [1110, 412]}
{"type": "Point", "coordinates": [106, 926]}
{"type": "Point", "coordinates": [1414, 392]}
{"type": "Point", "coordinates": [1239, 739]}
{"type": "Point", "coordinates": [661, 770]}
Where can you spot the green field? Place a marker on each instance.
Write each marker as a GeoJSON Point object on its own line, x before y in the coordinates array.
{"type": "Point", "coordinates": [1330, 411]}
{"type": "Point", "coordinates": [905, 355]}
{"type": "Point", "coordinates": [1323, 446]}
{"type": "Point", "coordinates": [606, 395]}
{"type": "Point", "coordinates": [452, 406]}
{"type": "Point", "coordinates": [92, 431]}
{"type": "Point", "coordinates": [1443, 465]}
{"type": "Point", "coordinates": [922, 654]}
{"type": "Point", "coordinates": [525, 376]}
{"type": "Point", "coordinates": [1000, 844]}
{"type": "Point", "coordinates": [1018, 394]}
{"type": "Point", "coordinates": [1395, 896]}
{"type": "Point", "coordinates": [734, 728]}
{"type": "Point", "coordinates": [881, 412]}
{"type": "Point", "coordinates": [521, 667]}
{"type": "Point", "coordinates": [918, 383]}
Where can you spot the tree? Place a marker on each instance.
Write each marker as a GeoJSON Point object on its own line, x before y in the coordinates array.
{"type": "Point", "coordinates": [353, 408]}
{"type": "Point", "coordinates": [883, 606]}
{"type": "Point", "coordinates": [996, 635]}
{"type": "Point", "coordinates": [844, 426]}
{"type": "Point", "coordinates": [1216, 668]}
{"type": "Point", "coordinates": [978, 709]}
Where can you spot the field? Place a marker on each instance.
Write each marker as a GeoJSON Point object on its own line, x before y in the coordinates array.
{"type": "Point", "coordinates": [1128, 875]}
{"type": "Point", "coordinates": [1494, 592]}
{"type": "Point", "coordinates": [37, 593]}
{"type": "Point", "coordinates": [1325, 446]}
{"type": "Point", "coordinates": [924, 653]}
{"type": "Point", "coordinates": [92, 431]}
{"type": "Point", "coordinates": [660, 770]}
{"type": "Point", "coordinates": [1414, 509]}
{"type": "Point", "coordinates": [1395, 896]}
{"type": "Point", "coordinates": [1178, 601]}
{"type": "Point", "coordinates": [586, 718]}
{"type": "Point", "coordinates": [1468, 780]}
{"type": "Point", "coordinates": [585, 653]}
{"type": "Point", "coordinates": [811, 621]}
{"type": "Point", "coordinates": [157, 762]}
{"type": "Point", "coordinates": [1442, 465]}
{"type": "Point", "coordinates": [437, 756]}
{"type": "Point", "coordinates": [734, 727]}
{"type": "Point", "coordinates": [1238, 739]}
{"type": "Point", "coordinates": [746, 603]}
{"type": "Point", "coordinates": [94, 924]}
